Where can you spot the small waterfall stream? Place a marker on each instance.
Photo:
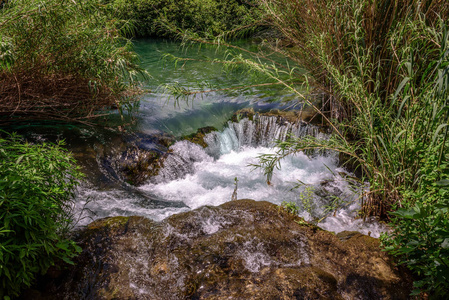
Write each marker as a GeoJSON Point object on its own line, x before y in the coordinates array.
{"type": "Point", "coordinates": [262, 131]}
{"type": "Point", "coordinates": [197, 176]}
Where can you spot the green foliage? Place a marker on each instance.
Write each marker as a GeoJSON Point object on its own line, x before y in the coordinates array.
{"type": "Point", "coordinates": [63, 58]}
{"type": "Point", "coordinates": [306, 198]}
{"type": "Point", "coordinates": [290, 207]}
{"type": "Point", "coordinates": [421, 240]}
{"type": "Point", "coordinates": [37, 183]}
{"type": "Point", "coordinates": [167, 18]}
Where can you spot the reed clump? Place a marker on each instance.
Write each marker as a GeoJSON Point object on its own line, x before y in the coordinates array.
{"type": "Point", "coordinates": [383, 64]}
{"type": "Point", "coordinates": [384, 68]}
{"type": "Point", "coordinates": [63, 59]}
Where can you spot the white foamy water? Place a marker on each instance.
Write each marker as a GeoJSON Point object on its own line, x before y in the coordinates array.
{"type": "Point", "coordinates": [213, 181]}
{"type": "Point", "coordinates": [195, 177]}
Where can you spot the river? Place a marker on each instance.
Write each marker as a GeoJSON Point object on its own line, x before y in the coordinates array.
{"type": "Point", "coordinates": [194, 176]}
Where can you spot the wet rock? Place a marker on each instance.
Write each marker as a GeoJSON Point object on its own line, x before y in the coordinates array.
{"type": "Point", "coordinates": [109, 158]}
{"type": "Point", "coordinates": [137, 158]}
{"type": "Point", "coordinates": [240, 250]}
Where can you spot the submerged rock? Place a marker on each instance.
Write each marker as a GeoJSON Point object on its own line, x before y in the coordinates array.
{"type": "Point", "coordinates": [240, 250]}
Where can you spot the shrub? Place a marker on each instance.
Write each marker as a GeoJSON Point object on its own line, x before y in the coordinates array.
{"type": "Point", "coordinates": [37, 183]}
{"type": "Point", "coordinates": [63, 59]}
{"type": "Point", "coordinates": [162, 18]}
{"type": "Point", "coordinates": [421, 242]}
{"type": "Point", "coordinates": [421, 236]}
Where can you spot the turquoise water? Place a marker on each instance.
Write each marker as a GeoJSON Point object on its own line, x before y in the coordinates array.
{"type": "Point", "coordinates": [161, 111]}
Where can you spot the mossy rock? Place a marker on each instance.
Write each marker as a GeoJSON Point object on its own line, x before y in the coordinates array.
{"type": "Point", "coordinates": [136, 158]}
{"type": "Point", "coordinates": [240, 250]}
{"type": "Point", "coordinates": [198, 136]}
{"type": "Point", "coordinates": [243, 113]}
{"type": "Point", "coordinates": [136, 166]}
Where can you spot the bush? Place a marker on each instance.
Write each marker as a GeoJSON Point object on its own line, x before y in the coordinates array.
{"type": "Point", "coordinates": [37, 183]}
{"type": "Point", "coordinates": [421, 236]}
{"type": "Point", "coordinates": [421, 242]}
{"type": "Point", "coordinates": [162, 18]}
{"type": "Point", "coordinates": [63, 59]}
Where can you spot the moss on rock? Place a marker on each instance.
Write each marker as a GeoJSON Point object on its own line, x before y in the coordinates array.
{"type": "Point", "coordinates": [198, 136]}
{"type": "Point", "coordinates": [307, 115]}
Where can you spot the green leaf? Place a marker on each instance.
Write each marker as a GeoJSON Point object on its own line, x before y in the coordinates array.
{"type": "Point", "coordinates": [405, 213]}
{"type": "Point", "coordinates": [440, 127]}
{"type": "Point", "coordinates": [415, 292]}
{"type": "Point", "coordinates": [67, 260]}
{"type": "Point", "coordinates": [413, 243]}
{"type": "Point", "coordinates": [19, 159]}
{"type": "Point", "coordinates": [401, 86]}
{"type": "Point", "coordinates": [443, 182]}
{"type": "Point", "coordinates": [406, 250]}
{"type": "Point", "coordinates": [62, 245]}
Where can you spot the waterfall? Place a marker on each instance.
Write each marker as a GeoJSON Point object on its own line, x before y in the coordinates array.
{"type": "Point", "coordinates": [262, 131]}
{"type": "Point", "coordinates": [197, 176]}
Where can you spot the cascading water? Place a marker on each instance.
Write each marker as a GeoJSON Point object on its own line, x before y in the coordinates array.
{"type": "Point", "coordinates": [198, 176]}
{"type": "Point", "coordinates": [263, 131]}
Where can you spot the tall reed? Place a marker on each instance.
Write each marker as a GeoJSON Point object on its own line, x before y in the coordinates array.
{"type": "Point", "coordinates": [383, 63]}
{"type": "Point", "coordinates": [384, 68]}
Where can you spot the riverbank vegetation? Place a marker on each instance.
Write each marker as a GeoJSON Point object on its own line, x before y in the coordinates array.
{"type": "Point", "coordinates": [59, 60]}
{"type": "Point", "coordinates": [37, 183]}
{"type": "Point", "coordinates": [206, 18]}
{"type": "Point", "coordinates": [64, 60]}
{"type": "Point", "coordinates": [384, 68]}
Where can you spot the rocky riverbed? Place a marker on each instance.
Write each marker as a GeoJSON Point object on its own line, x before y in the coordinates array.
{"type": "Point", "coordinates": [242, 249]}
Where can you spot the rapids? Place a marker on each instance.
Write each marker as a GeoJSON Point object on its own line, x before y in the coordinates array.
{"type": "Point", "coordinates": [192, 176]}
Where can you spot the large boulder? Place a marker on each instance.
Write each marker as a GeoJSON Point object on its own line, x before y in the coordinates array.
{"type": "Point", "coordinates": [240, 250]}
